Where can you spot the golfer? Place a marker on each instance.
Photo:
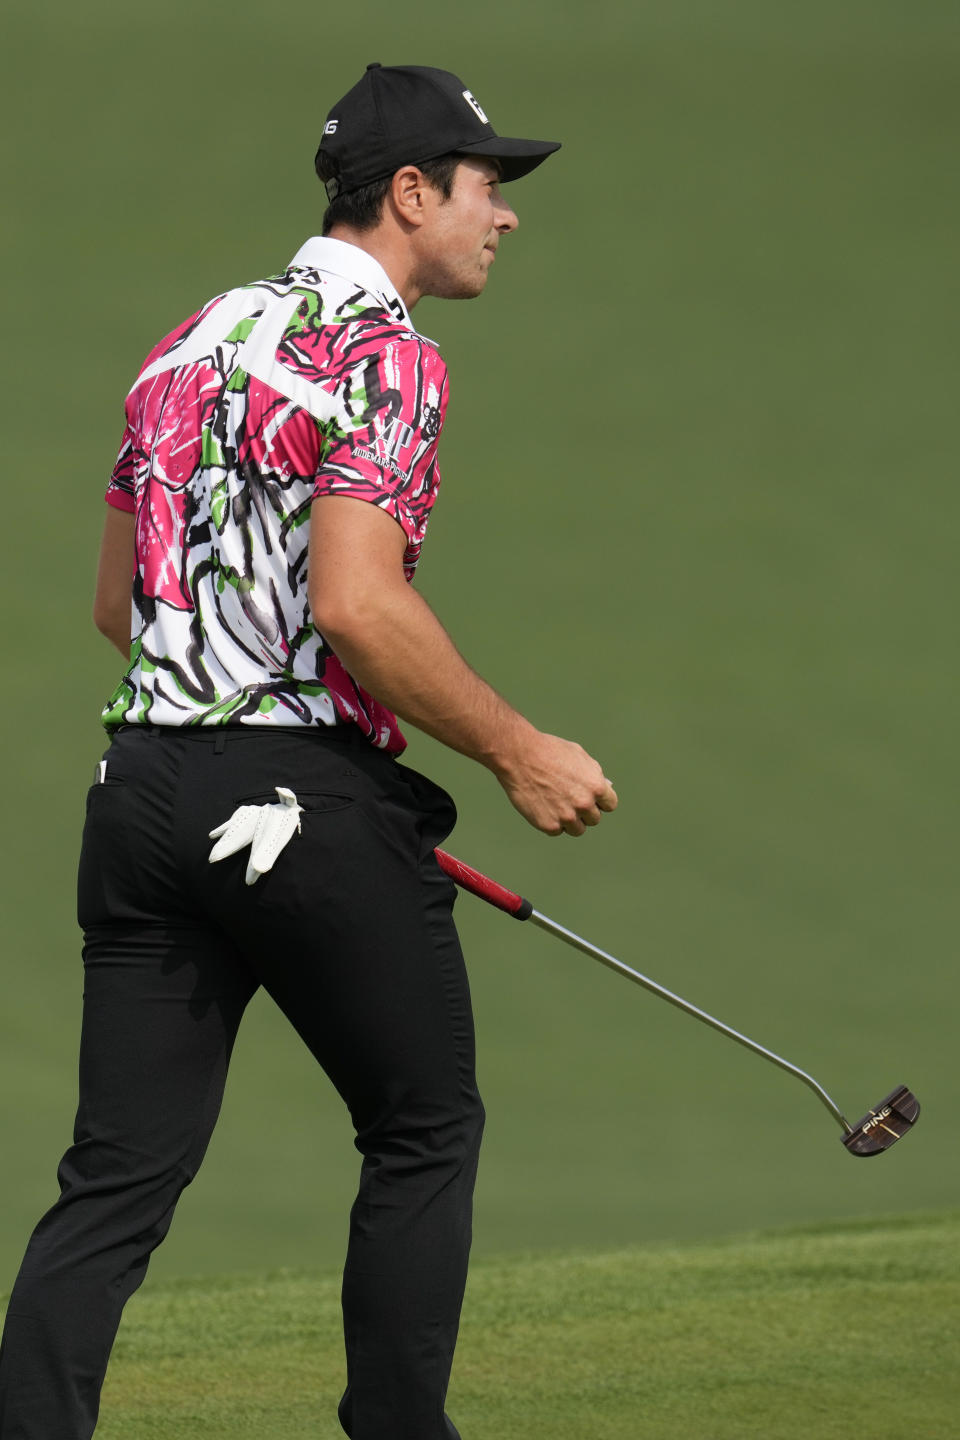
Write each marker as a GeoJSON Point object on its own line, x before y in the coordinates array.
{"type": "Point", "coordinates": [250, 824]}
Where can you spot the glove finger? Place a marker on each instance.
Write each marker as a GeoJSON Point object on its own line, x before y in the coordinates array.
{"type": "Point", "coordinates": [235, 832]}
{"type": "Point", "coordinates": [274, 830]}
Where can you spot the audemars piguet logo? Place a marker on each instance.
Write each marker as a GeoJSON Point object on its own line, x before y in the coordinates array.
{"type": "Point", "coordinates": [475, 106]}
{"type": "Point", "coordinates": [389, 438]}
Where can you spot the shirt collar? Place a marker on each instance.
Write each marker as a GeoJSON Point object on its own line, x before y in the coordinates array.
{"type": "Point", "coordinates": [337, 257]}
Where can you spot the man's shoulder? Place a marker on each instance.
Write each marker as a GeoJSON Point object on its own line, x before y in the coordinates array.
{"type": "Point", "coordinates": [305, 330]}
{"type": "Point", "coordinates": [346, 327]}
{"type": "Point", "coordinates": [355, 292]}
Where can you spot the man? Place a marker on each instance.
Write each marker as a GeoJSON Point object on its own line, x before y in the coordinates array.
{"type": "Point", "coordinates": [270, 499]}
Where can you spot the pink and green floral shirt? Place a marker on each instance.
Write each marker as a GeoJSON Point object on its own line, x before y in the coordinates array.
{"type": "Point", "coordinates": [310, 383]}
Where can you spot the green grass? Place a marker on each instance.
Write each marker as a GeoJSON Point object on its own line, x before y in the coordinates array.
{"type": "Point", "coordinates": [844, 1332]}
{"type": "Point", "coordinates": [699, 512]}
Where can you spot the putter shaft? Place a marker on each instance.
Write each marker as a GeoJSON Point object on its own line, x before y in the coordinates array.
{"type": "Point", "coordinates": [612, 963]}
{"type": "Point", "coordinates": [513, 904]}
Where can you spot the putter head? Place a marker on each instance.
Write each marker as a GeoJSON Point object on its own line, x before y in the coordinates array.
{"type": "Point", "coordinates": [880, 1128]}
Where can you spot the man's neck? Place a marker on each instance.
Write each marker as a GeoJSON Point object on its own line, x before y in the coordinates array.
{"type": "Point", "coordinates": [390, 252]}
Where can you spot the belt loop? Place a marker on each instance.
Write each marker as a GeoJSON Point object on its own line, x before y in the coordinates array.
{"type": "Point", "coordinates": [220, 744]}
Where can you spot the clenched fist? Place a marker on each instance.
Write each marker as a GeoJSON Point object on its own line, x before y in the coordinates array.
{"type": "Point", "coordinates": [555, 784]}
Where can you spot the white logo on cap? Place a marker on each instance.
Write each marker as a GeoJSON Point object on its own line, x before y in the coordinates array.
{"type": "Point", "coordinates": [331, 127]}
{"type": "Point", "coordinates": [475, 106]}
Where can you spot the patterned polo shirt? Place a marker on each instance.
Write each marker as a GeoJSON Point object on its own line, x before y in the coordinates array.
{"type": "Point", "coordinates": [310, 383]}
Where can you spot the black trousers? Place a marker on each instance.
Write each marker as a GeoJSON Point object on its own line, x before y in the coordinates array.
{"type": "Point", "coordinates": [352, 935]}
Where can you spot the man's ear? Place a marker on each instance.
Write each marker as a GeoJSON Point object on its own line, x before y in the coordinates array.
{"type": "Point", "coordinates": [408, 193]}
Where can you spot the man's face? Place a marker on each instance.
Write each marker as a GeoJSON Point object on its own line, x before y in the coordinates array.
{"type": "Point", "coordinates": [457, 244]}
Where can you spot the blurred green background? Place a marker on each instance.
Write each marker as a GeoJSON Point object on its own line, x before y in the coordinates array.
{"type": "Point", "coordinates": [699, 512]}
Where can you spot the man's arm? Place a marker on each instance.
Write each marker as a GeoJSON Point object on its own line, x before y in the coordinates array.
{"type": "Point", "coordinates": [392, 643]}
{"type": "Point", "coordinates": [111, 604]}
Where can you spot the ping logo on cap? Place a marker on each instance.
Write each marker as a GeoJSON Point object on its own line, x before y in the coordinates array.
{"type": "Point", "coordinates": [475, 106]}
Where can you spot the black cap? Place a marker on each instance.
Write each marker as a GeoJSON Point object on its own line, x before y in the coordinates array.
{"type": "Point", "coordinates": [401, 114]}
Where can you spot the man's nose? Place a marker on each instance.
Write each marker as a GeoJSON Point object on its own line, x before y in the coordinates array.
{"type": "Point", "coordinates": [506, 218]}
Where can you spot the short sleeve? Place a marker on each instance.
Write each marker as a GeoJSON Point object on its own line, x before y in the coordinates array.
{"type": "Point", "coordinates": [120, 491]}
{"type": "Point", "coordinates": [382, 445]}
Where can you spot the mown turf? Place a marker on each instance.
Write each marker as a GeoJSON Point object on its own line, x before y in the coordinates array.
{"type": "Point", "coordinates": [699, 512]}
{"type": "Point", "coordinates": [834, 1333]}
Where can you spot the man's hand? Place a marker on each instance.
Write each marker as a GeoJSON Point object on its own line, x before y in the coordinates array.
{"type": "Point", "coordinates": [556, 785]}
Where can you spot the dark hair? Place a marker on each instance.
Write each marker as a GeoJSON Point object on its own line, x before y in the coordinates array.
{"type": "Point", "coordinates": [362, 209]}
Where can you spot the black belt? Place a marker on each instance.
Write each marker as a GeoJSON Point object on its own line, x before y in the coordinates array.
{"type": "Point", "coordinates": [346, 733]}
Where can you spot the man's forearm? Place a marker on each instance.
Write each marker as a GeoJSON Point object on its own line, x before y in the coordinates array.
{"type": "Point", "coordinates": [111, 605]}
{"type": "Point", "coordinates": [395, 647]}
{"type": "Point", "coordinates": [400, 652]}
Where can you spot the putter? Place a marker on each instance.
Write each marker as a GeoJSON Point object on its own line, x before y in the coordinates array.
{"type": "Point", "coordinates": [875, 1132]}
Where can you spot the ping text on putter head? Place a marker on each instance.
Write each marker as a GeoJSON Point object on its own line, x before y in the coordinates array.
{"type": "Point", "coordinates": [875, 1132]}
{"type": "Point", "coordinates": [880, 1128]}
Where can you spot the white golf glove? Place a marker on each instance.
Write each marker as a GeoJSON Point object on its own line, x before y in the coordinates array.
{"type": "Point", "coordinates": [265, 828]}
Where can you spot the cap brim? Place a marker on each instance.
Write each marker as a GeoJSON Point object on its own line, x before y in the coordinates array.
{"type": "Point", "coordinates": [516, 157]}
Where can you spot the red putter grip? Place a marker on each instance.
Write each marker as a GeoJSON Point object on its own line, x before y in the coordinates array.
{"type": "Point", "coordinates": [481, 885]}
